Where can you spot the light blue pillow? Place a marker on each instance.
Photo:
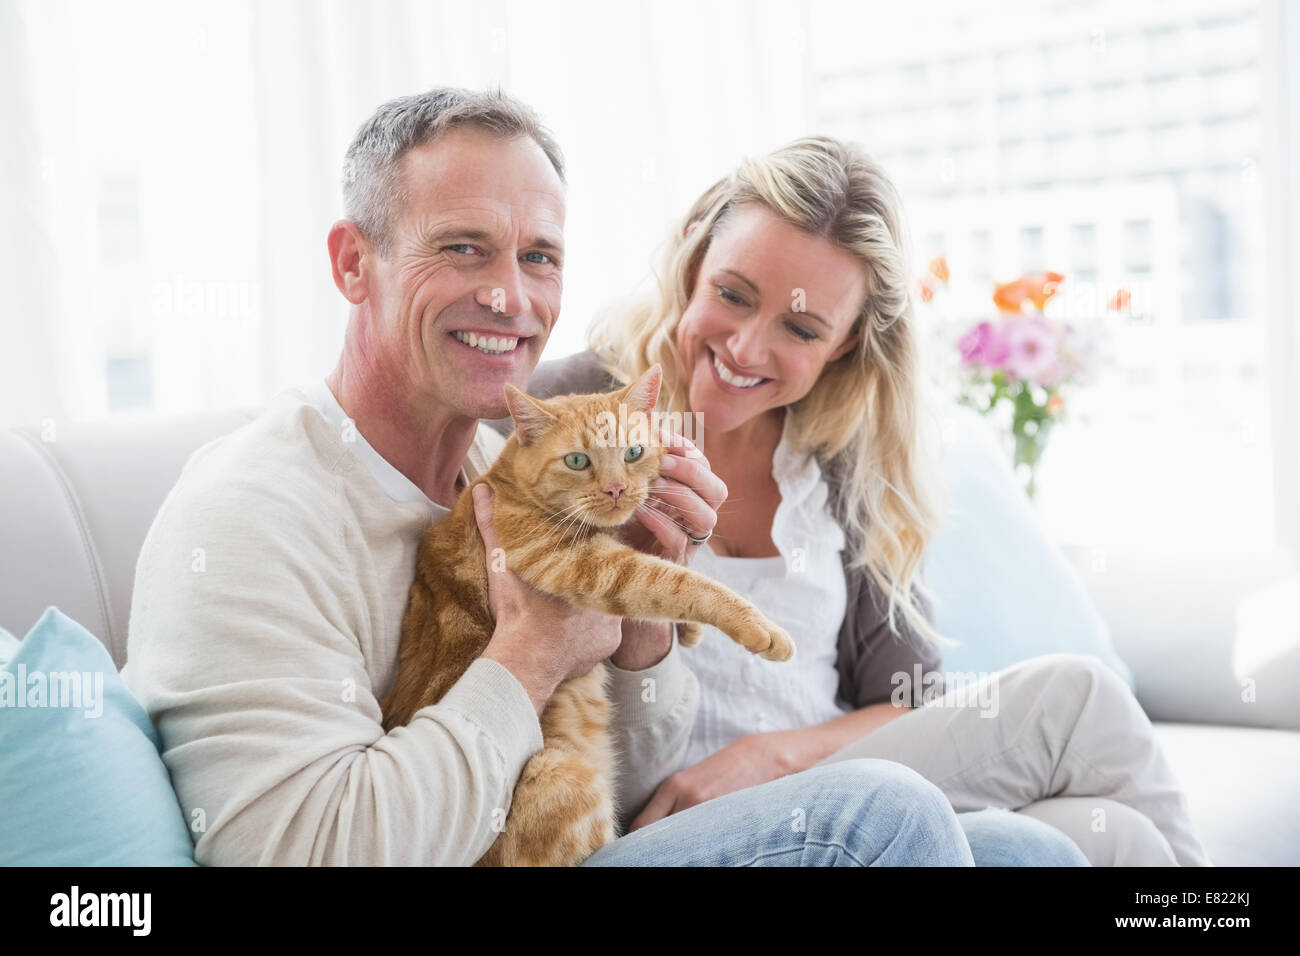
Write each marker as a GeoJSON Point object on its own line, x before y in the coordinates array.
{"type": "Point", "coordinates": [1002, 587]}
{"type": "Point", "coordinates": [81, 779]}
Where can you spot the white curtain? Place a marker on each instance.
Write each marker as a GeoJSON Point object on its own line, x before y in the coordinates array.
{"type": "Point", "coordinates": [191, 154]}
{"type": "Point", "coordinates": [29, 318]}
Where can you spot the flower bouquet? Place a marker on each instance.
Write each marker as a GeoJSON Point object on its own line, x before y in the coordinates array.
{"type": "Point", "coordinates": [1017, 364]}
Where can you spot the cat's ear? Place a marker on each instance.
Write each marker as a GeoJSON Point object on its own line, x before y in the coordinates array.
{"type": "Point", "coordinates": [532, 418]}
{"type": "Point", "coordinates": [642, 394]}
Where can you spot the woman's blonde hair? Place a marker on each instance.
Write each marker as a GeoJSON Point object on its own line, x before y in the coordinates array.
{"type": "Point", "coordinates": [864, 418]}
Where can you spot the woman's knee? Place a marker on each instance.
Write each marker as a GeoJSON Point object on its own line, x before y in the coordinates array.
{"type": "Point", "coordinates": [1079, 675]}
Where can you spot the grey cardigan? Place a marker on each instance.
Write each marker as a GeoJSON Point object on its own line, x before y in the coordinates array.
{"type": "Point", "coordinates": [869, 653]}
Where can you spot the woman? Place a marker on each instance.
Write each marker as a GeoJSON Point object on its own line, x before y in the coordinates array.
{"type": "Point", "coordinates": [784, 321]}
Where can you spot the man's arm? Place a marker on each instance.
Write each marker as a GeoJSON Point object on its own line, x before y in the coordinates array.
{"type": "Point", "coordinates": [250, 666]}
{"type": "Point", "coordinates": [654, 711]}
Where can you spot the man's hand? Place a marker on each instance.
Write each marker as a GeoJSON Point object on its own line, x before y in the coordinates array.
{"type": "Point", "coordinates": [684, 498]}
{"type": "Point", "coordinates": [538, 638]}
{"type": "Point", "coordinates": [749, 761]}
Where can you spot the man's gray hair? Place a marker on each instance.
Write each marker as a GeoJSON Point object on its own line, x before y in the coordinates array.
{"type": "Point", "coordinates": [372, 187]}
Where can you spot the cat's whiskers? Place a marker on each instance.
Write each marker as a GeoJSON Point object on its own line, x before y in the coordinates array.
{"type": "Point", "coordinates": [724, 508]}
{"type": "Point", "coordinates": [559, 528]}
{"type": "Point", "coordinates": [573, 520]}
{"type": "Point", "coordinates": [564, 514]}
{"type": "Point", "coordinates": [651, 505]}
{"type": "Point", "coordinates": [683, 491]}
{"type": "Point", "coordinates": [668, 504]}
{"type": "Point", "coordinates": [577, 530]}
{"type": "Point", "coordinates": [578, 514]}
{"type": "Point", "coordinates": [549, 520]}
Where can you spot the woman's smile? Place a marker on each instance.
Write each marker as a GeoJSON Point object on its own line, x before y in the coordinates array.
{"type": "Point", "coordinates": [728, 379]}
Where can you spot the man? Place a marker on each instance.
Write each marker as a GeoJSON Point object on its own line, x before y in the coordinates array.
{"type": "Point", "coordinates": [270, 590]}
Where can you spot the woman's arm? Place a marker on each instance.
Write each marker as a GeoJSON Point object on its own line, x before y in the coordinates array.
{"type": "Point", "coordinates": [871, 658]}
{"type": "Point", "coordinates": [807, 746]}
{"type": "Point", "coordinates": [758, 758]}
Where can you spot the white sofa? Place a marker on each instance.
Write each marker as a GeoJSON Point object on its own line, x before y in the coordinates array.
{"type": "Point", "coordinates": [75, 506]}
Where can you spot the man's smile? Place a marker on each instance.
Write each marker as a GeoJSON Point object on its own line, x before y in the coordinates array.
{"type": "Point", "coordinates": [494, 349]}
{"type": "Point", "coordinates": [490, 343]}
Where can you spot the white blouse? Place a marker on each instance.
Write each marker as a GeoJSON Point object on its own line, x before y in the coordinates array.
{"type": "Point", "coordinates": [803, 590]}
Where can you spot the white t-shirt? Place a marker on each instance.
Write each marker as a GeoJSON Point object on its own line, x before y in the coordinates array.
{"type": "Point", "coordinates": [265, 626]}
{"type": "Point", "coordinates": [802, 589]}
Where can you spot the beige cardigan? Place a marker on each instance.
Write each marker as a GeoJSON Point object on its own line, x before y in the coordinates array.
{"type": "Point", "coordinates": [869, 654]}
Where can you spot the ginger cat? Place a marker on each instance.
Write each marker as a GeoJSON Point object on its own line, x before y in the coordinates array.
{"type": "Point", "coordinates": [557, 509]}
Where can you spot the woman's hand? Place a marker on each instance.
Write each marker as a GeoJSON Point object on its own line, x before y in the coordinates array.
{"type": "Point", "coordinates": [749, 761]}
{"type": "Point", "coordinates": [687, 501]}
{"type": "Point", "coordinates": [758, 758]}
{"type": "Point", "coordinates": [685, 498]}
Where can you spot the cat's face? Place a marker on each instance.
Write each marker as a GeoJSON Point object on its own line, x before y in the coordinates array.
{"type": "Point", "coordinates": [588, 458]}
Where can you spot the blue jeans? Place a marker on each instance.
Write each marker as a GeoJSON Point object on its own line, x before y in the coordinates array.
{"type": "Point", "coordinates": [858, 812]}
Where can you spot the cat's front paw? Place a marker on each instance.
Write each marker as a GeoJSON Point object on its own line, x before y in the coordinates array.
{"type": "Point", "coordinates": [782, 646]}
{"type": "Point", "coordinates": [769, 641]}
{"type": "Point", "coordinates": [689, 633]}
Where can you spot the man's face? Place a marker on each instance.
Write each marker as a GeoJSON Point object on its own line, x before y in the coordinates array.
{"type": "Point", "coordinates": [477, 250]}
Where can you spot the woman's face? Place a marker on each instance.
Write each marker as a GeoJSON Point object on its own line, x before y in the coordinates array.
{"type": "Point", "coordinates": [772, 306]}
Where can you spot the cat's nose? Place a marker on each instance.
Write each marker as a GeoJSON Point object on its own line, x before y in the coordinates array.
{"type": "Point", "coordinates": [614, 489]}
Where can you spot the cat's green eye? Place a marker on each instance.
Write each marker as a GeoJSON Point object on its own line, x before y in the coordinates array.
{"type": "Point", "coordinates": [633, 453]}
{"type": "Point", "coordinates": [576, 460]}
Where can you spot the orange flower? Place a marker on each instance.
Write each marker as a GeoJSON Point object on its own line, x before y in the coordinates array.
{"type": "Point", "coordinates": [1037, 288]}
{"type": "Point", "coordinates": [939, 268]}
{"type": "Point", "coordinates": [1120, 301]}
{"type": "Point", "coordinates": [927, 293]}
{"type": "Point", "coordinates": [1054, 404]}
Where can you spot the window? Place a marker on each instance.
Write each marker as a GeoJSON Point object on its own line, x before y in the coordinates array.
{"type": "Point", "coordinates": [1137, 246]}
{"type": "Point", "coordinates": [1134, 169]}
{"type": "Point", "coordinates": [1083, 247]}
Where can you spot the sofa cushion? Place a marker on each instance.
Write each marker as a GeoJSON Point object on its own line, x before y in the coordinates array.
{"type": "Point", "coordinates": [1002, 588]}
{"type": "Point", "coordinates": [81, 779]}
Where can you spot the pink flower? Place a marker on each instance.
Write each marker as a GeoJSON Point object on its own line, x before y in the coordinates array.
{"type": "Point", "coordinates": [983, 345]}
{"type": "Point", "coordinates": [1054, 374]}
{"type": "Point", "coordinates": [1031, 348]}
{"type": "Point", "coordinates": [1073, 352]}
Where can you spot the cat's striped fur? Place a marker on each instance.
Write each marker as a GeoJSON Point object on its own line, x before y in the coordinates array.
{"type": "Point", "coordinates": [557, 528]}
